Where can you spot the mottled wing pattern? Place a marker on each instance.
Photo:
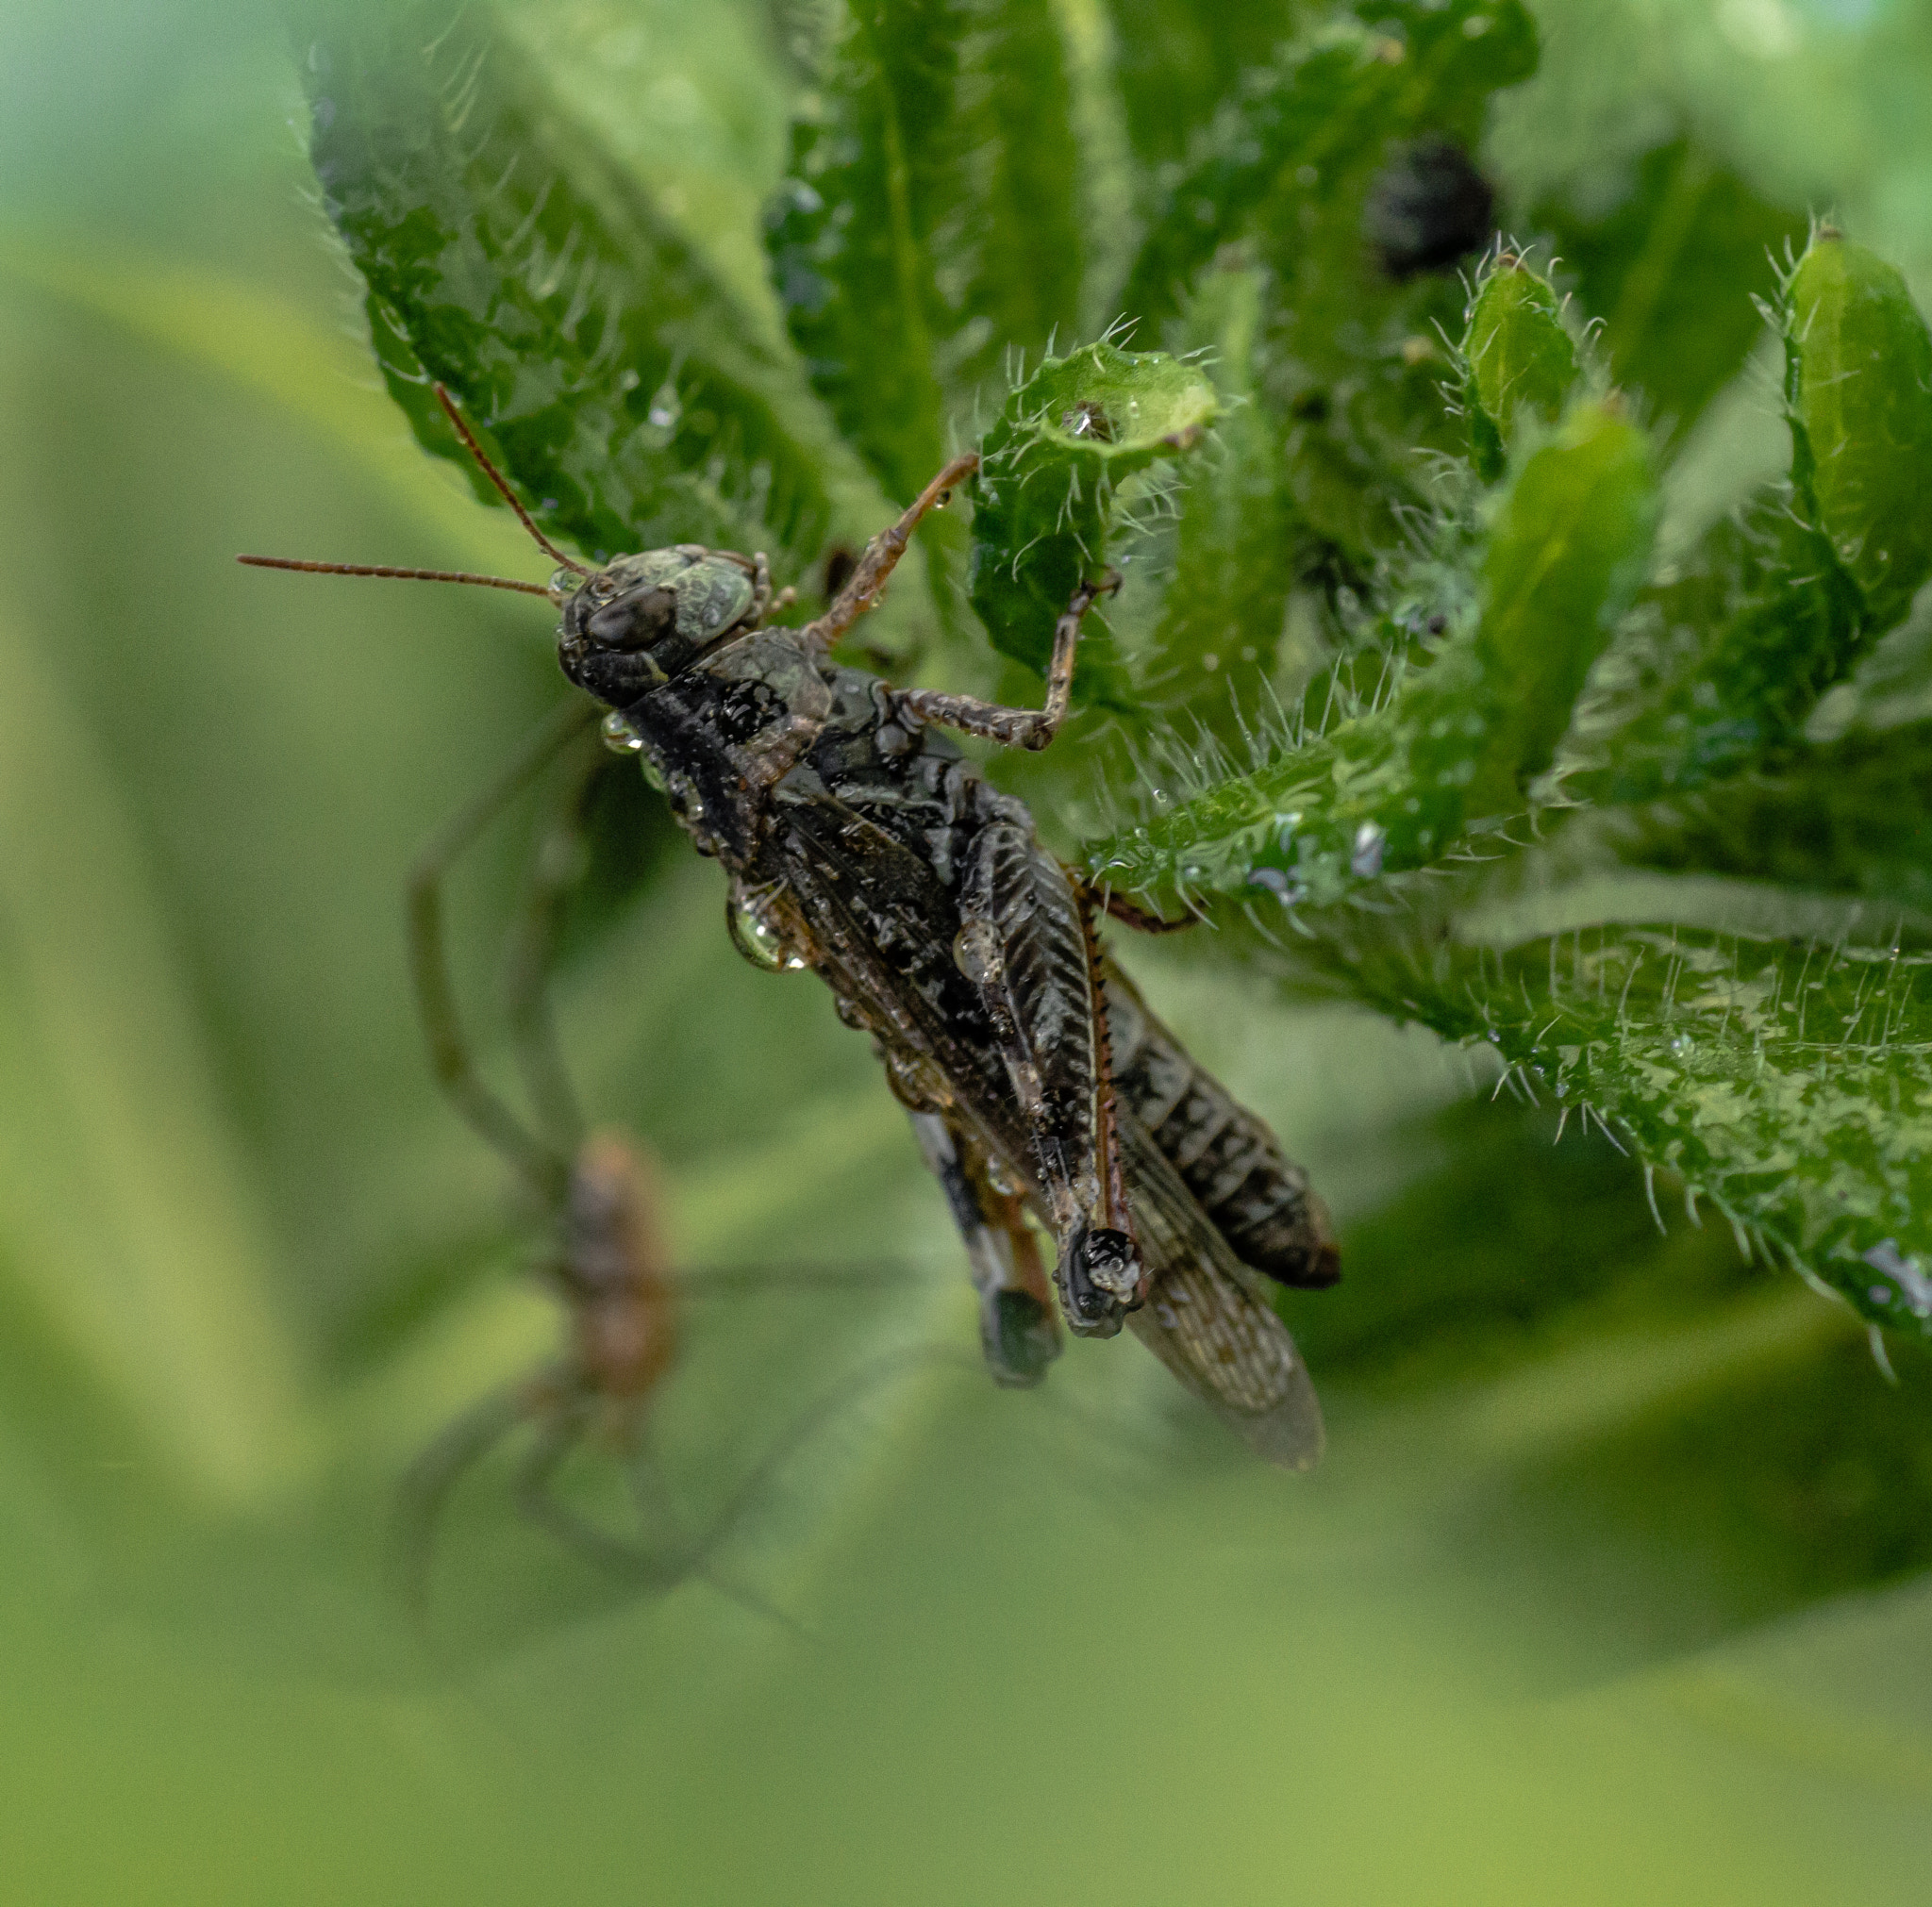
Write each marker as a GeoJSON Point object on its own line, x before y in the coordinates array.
{"type": "Point", "coordinates": [1216, 1335]}
{"type": "Point", "coordinates": [863, 898]}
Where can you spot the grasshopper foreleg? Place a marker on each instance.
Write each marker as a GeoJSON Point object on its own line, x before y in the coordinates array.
{"type": "Point", "coordinates": [882, 556]}
{"type": "Point", "coordinates": [1031, 728]}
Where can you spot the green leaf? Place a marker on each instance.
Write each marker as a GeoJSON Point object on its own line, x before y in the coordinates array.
{"type": "Point", "coordinates": [929, 223]}
{"type": "Point", "coordinates": [1176, 60]}
{"type": "Point", "coordinates": [1853, 816]}
{"type": "Point", "coordinates": [1781, 602]}
{"type": "Point", "coordinates": [1519, 360]}
{"type": "Point", "coordinates": [1728, 661]}
{"type": "Point", "coordinates": [1306, 132]}
{"type": "Point", "coordinates": [133, 1245]}
{"type": "Point", "coordinates": [1047, 497]}
{"type": "Point", "coordinates": [1566, 555]}
{"type": "Point", "coordinates": [1235, 545]}
{"type": "Point", "coordinates": [1398, 787]}
{"type": "Point", "coordinates": [1789, 1086]}
{"type": "Point", "coordinates": [506, 255]}
{"type": "Point", "coordinates": [1858, 382]}
{"type": "Point", "coordinates": [1672, 268]}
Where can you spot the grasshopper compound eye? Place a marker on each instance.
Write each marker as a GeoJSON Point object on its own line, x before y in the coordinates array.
{"type": "Point", "coordinates": [635, 620]}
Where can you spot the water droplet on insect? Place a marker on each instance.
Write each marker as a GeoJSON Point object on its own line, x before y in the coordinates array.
{"type": "Point", "coordinates": [757, 939]}
{"type": "Point", "coordinates": [976, 952]}
{"type": "Point", "coordinates": [654, 776]}
{"type": "Point", "coordinates": [620, 737]}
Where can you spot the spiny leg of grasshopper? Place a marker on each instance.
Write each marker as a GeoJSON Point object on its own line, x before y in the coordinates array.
{"type": "Point", "coordinates": [1030, 728]}
{"type": "Point", "coordinates": [1017, 1333]}
{"type": "Point", "coordinates": [881, 557]}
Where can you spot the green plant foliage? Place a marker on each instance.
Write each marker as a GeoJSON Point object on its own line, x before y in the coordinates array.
{"type": "Point", "coordinates": [1670, 266]}
{"type": "Point", "coordinates": [1859, 381]}
{"type": "Point", "coordinates": [1237, 539]}
{"type": "Point", "coordinates": [1305, 131]}
{"type": "Point", "coordinates": [1785, 1084]}
{"type": "Point", "coordinates": [1500, 696]}
{"type": "Point", "coordinates": [1398, 787]}
{"type": "Point", "coordinates": [1521, 362]}
{"type": "Point", "coordinates": [1561, 689]}
{"type": "Point", "coordinates": [506, 253]}
{"type": "Point", "coordinates": [1048, 488]}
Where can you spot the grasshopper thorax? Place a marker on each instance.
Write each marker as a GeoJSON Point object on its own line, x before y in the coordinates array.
{"type": "Point", "coordinates": [640, 619]}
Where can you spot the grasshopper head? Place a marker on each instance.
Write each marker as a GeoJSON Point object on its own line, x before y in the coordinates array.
{"type": "Point", "coordinates": [639, 621]}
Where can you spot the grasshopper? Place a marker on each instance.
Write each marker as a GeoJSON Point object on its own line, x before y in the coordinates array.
{"type": "Point", "coordinates": [862, 845]}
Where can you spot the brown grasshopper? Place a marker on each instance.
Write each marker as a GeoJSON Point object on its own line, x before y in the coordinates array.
{"type": "Point", "coordinates": [862, 845]}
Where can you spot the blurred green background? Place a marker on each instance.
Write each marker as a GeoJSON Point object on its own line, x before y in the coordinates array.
{"type": "Point", "coordinates": [1613, 1585]}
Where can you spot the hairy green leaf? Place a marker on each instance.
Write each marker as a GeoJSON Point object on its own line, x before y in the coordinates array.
{"type": "Point", "coordinates": [507, 255]}
{"type": "Point", "coordinates": [1789, 1086]}
{"type": "Point", "coordinates": [1780, 602]}
{"type": "Point", "coordinates": [1236, 542]}
{"type": "Point", "coordinates": [1175, 60]}
{"type": "Point", "coordinates": [1565, 558]}
{"type": "Point", "coordinates": [1520, 361]}
{"type": "Point", "coordinates": [1853, 816]}
{"type": "Point", "coordinates": [928, 221]}
{"type": "Point", "coordinates": [1859, 381]}
{"type": "Point", "coordinates": [1727, 660]}
{"type": "Point", "coordinates": [1048, 494]}
{"type": "Point", "coordinates": [1398, 787]}
{"type": "Point", "coordinates": [1307, 131]}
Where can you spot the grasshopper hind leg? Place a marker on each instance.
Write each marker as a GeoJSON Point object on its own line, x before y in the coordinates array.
{"type": "Point", "coordinates": [1017, 1331]}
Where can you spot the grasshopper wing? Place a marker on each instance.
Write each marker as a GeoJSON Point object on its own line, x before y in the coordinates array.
{"type": "Point", "coordinates": [1207, 1323]}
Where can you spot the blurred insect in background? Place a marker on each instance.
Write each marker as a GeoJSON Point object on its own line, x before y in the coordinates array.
{"type": "Point", "coordinates": [863, 846]}
{"type": "Point", "coordinates": [606, 1258]}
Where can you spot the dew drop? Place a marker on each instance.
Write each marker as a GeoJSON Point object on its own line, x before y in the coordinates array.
{"type": "Point", "coordinates": [755, 937]}
{"type": "Point", "coordinates": [976, 953]}
{"type": "Point", "coordinates": [1366, 859]}
{"type": "Point", "coordinates": [620, 737]}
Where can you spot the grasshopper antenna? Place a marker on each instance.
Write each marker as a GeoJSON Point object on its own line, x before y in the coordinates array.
{"type": "Point", "coordinates": [495, 476]}
{"type": "Point", "coordinates": [403, 576]}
